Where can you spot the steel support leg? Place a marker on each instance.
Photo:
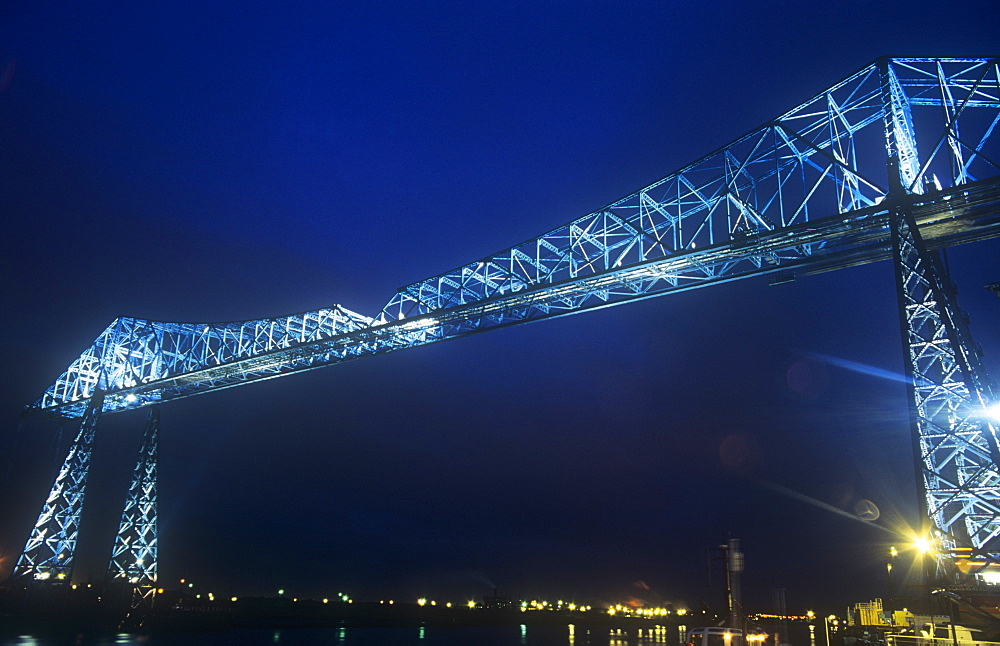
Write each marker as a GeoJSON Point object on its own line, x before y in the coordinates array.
{"type": "Point", "coordinates": [954, 441]}
{"type": "Point", "coordinates": [48, 554]}
{"type": "Point", "coordinates": [133, 560]}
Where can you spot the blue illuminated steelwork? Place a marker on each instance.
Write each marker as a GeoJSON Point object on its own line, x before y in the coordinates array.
{"type": "Point", "coordinates": [806, 192]}
{"type": "Point", "coordinates": [49, 553]}
{"type": "Point", "coordinates": [803, 193]}
{"type": "Point", "coordinates": [955, 441]}
{"type": "Point", "coordinates": [133, 560]}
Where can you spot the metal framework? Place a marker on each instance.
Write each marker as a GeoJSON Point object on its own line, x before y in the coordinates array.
{"type": "Point", "coordinates": [48, 555]}
{"type": "Point", "coordinates": [806, 192]}
{"type": "Point", "coordinates": [955, 443]}
{"type": "Point", "coordinates": [134, 557]}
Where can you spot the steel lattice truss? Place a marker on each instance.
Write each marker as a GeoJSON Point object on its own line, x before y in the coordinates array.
{"type": "Point", "coordinates": [134, 555]}
{"type": "Point", "coordinates": [957, 444]}
{"type": "Point", "coordinates": [132, 352]}
{"type": "Point", "coordinates": [806, 192]}
{"type": "Point", "coordinates": [48, 554]}
{"type": "Point", "coordinates": [802, 193]}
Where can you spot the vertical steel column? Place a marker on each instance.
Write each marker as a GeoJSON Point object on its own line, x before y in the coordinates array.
{"type": "Point", "coordinates": [48, 554]}
{"type": "Point", "coordinates": [900, 139]}
{"type": "Point", "coordinates": [955, 442]}
{"type": "Point", "coordinates": [133, 559]}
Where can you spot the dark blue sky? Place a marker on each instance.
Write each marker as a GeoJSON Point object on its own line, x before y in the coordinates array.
{"type": "Point", "coordinates": [183, 162]}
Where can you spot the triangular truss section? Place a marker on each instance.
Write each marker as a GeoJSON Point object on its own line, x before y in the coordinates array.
{"type": "Point", "coordinates": [133, 560]}
{"type": "Point", "coordinates": [955, 441]}
{"type": "Point", "coordinates": [48, 554]}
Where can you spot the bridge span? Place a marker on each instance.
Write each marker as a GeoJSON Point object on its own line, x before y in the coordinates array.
{"type": "Point", "coordinates": [897, 160]}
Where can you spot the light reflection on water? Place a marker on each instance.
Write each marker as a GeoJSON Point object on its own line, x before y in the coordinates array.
{"type": "Point", "coordinates": [504, 635]}
{"type": "Point", "coordinates": [624, 637]}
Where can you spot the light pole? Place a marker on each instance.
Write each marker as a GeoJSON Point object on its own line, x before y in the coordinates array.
{"type": "Point", "coordinates": [893, 552]}
{"type": "Point", "coordinates": [826, 625]}
{"type": "Point", "coordinates": [926, 547]}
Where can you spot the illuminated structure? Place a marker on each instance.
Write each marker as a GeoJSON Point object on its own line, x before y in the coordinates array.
{"type": "Point", "coordinates": [867, 613]}
{"type": "Point", "coordinates": [897, 160]}
{"type": "Point", "coordinates": [133, 560]}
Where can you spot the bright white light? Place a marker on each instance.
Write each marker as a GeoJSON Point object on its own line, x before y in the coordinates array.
{"type": "Point", "coordinates": [923, 545]}
{"type": "Point", "coordinates": [994, 412]}
{"type": "Point", "coordinates": [130, 398]}
{"type": "Point", "coordinates": [420, 324]}
{"type": "Point", "coordinates": [991, 577]}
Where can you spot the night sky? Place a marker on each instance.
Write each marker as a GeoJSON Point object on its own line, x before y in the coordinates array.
{"type": "Point", "coordinates": [173, 161]}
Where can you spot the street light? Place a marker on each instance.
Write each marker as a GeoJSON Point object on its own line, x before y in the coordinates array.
{"type": "Point", "coordinates": [893, 553]}
{"type": "Point", "coordinates": [826, 625]}
{"type": "Point", "coordinates": [927, 546]}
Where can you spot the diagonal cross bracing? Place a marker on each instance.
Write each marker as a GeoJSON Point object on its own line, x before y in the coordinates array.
{"type": "Point", "coordinates": [801, 192]}
{"type": "Point", "coordinates": [819, 246]}
{"type": "Point", "coordinates": [806, 192]}
{"type": "Point", "coordinates": [49, 553]}
{"type": "Point", "coordinates": [956, 445]}
{"type": "Point", "coordinates": [133, 559]}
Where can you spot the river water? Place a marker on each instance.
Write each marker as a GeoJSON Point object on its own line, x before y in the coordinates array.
{"type": "Point", "coordinates": [514, 635]}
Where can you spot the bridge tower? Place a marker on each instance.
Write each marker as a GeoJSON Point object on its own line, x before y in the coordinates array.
{"type": "Point", "coordinates": [51, 548]}
{"type": "Point", "coordinates": [50, 552]}
{"type": "Point", "coordinates": [133, 561]}
{"type": "Point", "coordinates": [806, 192]}
{"type": "Point", "coordinates": [954, 441]}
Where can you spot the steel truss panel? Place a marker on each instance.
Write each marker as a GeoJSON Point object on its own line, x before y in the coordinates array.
{"type": "Point", "coordinates": [807, 191]}
{"type": "Point", "coordinates": [802, 192]}
{"type": "Point", "coordinates": [133, 559]}
{"type": "Point", "coordinates": [822, 159]}
{"type": "Point", "coordinates": [133, 352]}
{"type": "Point", "coordinates": [48, 554]}
{"type": "Point", "coordinates": [956, 444]}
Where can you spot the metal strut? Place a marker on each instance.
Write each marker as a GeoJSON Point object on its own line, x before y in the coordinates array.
{"type": "Point", "coordinates": [48, 554]}
{"type": "Point", "coordinates": [134, 557]}
{"type": "Point", "coordinates": [955, 443]}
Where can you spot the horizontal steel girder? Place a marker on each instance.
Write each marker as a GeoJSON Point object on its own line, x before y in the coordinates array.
{"type": "Point", "coordinates": [803, 193]}
{"type": "Point", "coordinates": [962, 215]}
